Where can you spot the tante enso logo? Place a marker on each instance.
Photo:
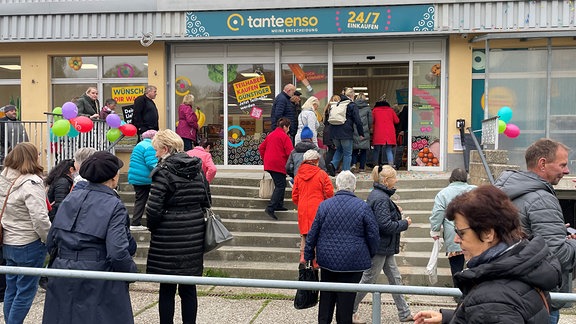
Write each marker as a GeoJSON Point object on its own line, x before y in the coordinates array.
{"type": "Point", "coordinates": [236, 21]}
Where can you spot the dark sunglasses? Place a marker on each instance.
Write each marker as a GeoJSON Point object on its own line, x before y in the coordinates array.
{"type": "Point", "coordinates": [460, 232]}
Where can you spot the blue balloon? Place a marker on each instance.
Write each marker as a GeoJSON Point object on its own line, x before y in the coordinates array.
{"type": "Point", "coordinates": [73, 132]}
{"type": "Point", "coordinates": [505, 114]}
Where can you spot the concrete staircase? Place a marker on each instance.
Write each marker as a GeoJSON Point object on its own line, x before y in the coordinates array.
{"type": "Point", "coordinates": [269, 249]}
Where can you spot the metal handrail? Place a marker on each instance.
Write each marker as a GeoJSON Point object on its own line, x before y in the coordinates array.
{"type": "Point", "coordinates": [482, 157]}
{"type": "Point", "coordinates": [375, 289]}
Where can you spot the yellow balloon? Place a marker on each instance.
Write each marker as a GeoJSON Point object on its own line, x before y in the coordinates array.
{"type": "Point", "coordinates": [201, 117]}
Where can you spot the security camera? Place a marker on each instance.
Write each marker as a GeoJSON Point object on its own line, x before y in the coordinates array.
{"type": "Point", "coordinates": [370, 57]}
{"type": "Point", "coordinates": [464, 36]}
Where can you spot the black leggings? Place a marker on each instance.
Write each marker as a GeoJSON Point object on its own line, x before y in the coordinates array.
{"type": "Point", "coordinates": [189, 303]}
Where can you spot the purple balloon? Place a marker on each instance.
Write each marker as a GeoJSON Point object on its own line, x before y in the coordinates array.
{"type": "Point", "coordinates": [113, 120]}
{"type": "Point", "coordinates": [69, 110]}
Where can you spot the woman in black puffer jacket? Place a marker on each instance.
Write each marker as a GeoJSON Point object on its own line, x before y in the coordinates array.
{"type": "Point", "coordinates": [60, 184]}
{"type": "Point", "coordinates": [175, 217]}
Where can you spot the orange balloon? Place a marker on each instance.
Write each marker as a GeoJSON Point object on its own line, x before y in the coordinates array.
{"type": "Point", "coordinates": [430, 155]}
{"type": "Point", "coordinates": [425, 150]}
{"type": "Point", "coordinates": [420, 154]}
{"type": "Point", "coordinates": [425, 160]}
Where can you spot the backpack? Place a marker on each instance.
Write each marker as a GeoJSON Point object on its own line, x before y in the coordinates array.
{"type": "Point", "coordinates": [337, 114]}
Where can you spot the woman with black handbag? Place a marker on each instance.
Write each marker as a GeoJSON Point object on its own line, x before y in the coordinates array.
{"type": "Point", "coordinates": [175, 217]}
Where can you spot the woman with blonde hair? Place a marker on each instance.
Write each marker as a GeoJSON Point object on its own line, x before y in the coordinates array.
{"type": "Point", "coordinates": [326, 138]}
{"type": "Point", "coordinates": [390, 222]}
{"type": "Point", "coordinates": [187, 122]}
{"type": "Point", "coordinates": [175, 218]}
{"type": "Point", "coordinates": [88, 103]}
{"type": "Point", "coordinates": [308, 118]}
{"type": "Point", "coordinates": [25, 226]}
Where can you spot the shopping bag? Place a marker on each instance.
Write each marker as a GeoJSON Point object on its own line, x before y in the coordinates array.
{"type": "Point", "coordinates": [432, 267]}
{"type": "Point", "coordinates": [266, 187]}
{"type": "Point", "coordinates": [216, 233]}
{"type": "Point", "coordinates": [306, 298]}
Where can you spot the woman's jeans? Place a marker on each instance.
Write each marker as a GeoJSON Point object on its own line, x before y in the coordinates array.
{"type": "Point", "coordinates": [388, 264]}
{"type": "Point", "coordinates": [343, 152]}
{"type": "Point", "coordinates": [378, 150]}
{"type": "Point", "coordinates": [21, 290]}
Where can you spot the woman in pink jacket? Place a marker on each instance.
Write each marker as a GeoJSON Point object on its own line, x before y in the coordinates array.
{"type": "Point", "coordinates": [275, 151]}
{"type": "Point", "coordinates": [187, 122]}
{"type": "Point", "coordinates": [384, 118]}
{"type": "Point", "coordinates": [203, 152]}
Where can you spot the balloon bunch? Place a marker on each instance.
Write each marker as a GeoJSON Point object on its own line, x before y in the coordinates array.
{"type": "Point", "coordinates": [118, 128]}
{"type": "Point", "coordinates": [509, 129]}
{"type": "Point", "coordinates": [67, 121]}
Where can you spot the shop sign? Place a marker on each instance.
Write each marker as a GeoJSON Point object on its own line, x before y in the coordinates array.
{"type": "Point", "coordinates": [311, 22]}
{"type": "Point", "coordinates": [126, 95]}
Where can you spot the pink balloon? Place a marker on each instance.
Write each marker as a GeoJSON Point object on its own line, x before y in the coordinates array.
{"type": "Point", "coordinates": [512, 130]}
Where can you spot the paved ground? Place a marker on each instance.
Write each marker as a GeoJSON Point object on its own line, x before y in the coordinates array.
{"type": "Point", "coordinates": [253, 305]}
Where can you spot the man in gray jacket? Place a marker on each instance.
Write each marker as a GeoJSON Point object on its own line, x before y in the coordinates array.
{"type": "Point", "coordinates": [12, 131]}
{"type": "Point", "coordinates": [539, 208]}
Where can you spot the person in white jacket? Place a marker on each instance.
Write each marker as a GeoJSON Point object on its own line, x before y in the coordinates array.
{"type": "Point", "coordinates": [25, 225]}
{"type": "Point", "coordinates": [308, 118]}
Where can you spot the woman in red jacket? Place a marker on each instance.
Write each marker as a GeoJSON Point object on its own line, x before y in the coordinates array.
{"type": "Point", "coordinates": [384, 118]}
{"type": "Point", "coordinates": [275, 151]}
{"type": "Point", "coordinates": [313, 185]}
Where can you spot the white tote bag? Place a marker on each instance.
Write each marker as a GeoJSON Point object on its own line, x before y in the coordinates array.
{"type": "Point", "coordinates": [432, 267]}
{"type": "Point", "coordinates": [266, 187]}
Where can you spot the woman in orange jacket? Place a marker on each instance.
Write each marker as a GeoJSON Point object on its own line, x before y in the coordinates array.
{"type": "Point", "coordinates": [314, 186]}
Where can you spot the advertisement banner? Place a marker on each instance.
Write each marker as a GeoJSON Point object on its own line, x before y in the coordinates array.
{"type": "Point", "coordinates": [311, 22]}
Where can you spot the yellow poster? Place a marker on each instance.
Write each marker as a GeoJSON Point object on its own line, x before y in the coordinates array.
{"type": "Point", "coordinates": [126, 95]}
{"type": "Point", "coordinates": [250, 89]}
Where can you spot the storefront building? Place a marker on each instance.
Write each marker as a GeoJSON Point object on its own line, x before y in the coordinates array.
{"type": "Point", "coordinates": [433, 58]}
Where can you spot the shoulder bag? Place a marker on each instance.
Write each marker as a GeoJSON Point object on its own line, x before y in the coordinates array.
{"type": "Point", "coordinates": [215, 234]}
{"type": "Point", "coordinates": [266, 187]}
{"type": "Point", "coordinates": [3, 208]}
{"type": "Point", "coordinates": [306, 298]}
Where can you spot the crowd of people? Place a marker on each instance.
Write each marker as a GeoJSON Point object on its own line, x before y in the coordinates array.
{"type": "Point", "coordinates": [506, 243]}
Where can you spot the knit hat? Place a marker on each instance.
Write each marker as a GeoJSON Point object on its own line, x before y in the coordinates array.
{"type": "Point", "coordinates": [311, 155]}
{"type": "Point", "coordinates": [100, 167]}
{"type": "Point", "coordinates": [306, 133]}
{"type": "Point", "coordinates": [8, 108]}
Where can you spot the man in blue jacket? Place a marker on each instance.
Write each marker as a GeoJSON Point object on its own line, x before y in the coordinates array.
{"type": "Point", "coordinates": [283, 107]}
{"type": "Point", "coordinates": [343, 135]}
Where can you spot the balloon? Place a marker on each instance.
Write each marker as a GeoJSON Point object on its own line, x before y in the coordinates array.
{"type": "Point", "coordinates": [113, 134]}
{"type": "Point", "coordinates": [73, 132]}
{"type": "Point", "coordinates": [82, 124]}
{"type": "Point", "coordinates": [113, 120]}
{"type": "Point", "coordinates": [505, 114]}
{"type": "Point", "coordinates": [69, 110]}
{"type": "Point", "coordinates": [512, 131]}
{"type": "Point", "coordinates": [61, 127]}
{"type": "Point", "coordinates": [128, 130]}
{"type": "Point", "coordinates": [53, 138]}
{"type": "Point", "coordinates": [501, 126]}
{"type": "Point", "coordinates": [57, 111]}
{"type": "Point", "coordinates": [122, 123]}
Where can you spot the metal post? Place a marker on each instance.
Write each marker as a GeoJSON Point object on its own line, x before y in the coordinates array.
{"type": "Point", "coordinates": [376, 307]}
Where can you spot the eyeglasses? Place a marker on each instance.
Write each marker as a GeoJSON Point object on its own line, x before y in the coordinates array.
{"type": "Point", "coordinates": [460, 232]}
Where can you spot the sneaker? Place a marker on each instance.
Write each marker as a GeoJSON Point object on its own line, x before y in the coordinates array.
{"type": "Point", "coordinates": [138, 228]}
{"type": "Point", "coordinates": [353, 169]}
{"type": "Point", "coordinates": [270, 213]}
{"type": "Point", "coordinates": [410, 318]}
{"type": "Point", "coordinates": [361, 170]}
{"type": "Point", "coordinates": [331, 169]}
{"type": "Point", "coordinates": [356, 319]}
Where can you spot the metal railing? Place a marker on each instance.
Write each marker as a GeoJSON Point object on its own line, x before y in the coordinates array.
{"type": "Point", "coordinates": [53, 149]}
{"type": "Point", "coordinates": [375, 289]}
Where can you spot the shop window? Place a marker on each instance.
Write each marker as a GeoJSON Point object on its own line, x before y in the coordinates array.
{"type": "Point", "coordinates": [10, 82]}
{"type": "Point", "coordinates": [250, 97]}
{"type": "Point", "coordinates": [125, 67]}
{"type": "Point", "coordinates": [74, 67]}
{"type": "Point", "coordinates": [205, 82]}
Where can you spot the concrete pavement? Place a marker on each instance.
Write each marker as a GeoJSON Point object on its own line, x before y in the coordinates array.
{"type": "Point", "coordinates": [255, 305]}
